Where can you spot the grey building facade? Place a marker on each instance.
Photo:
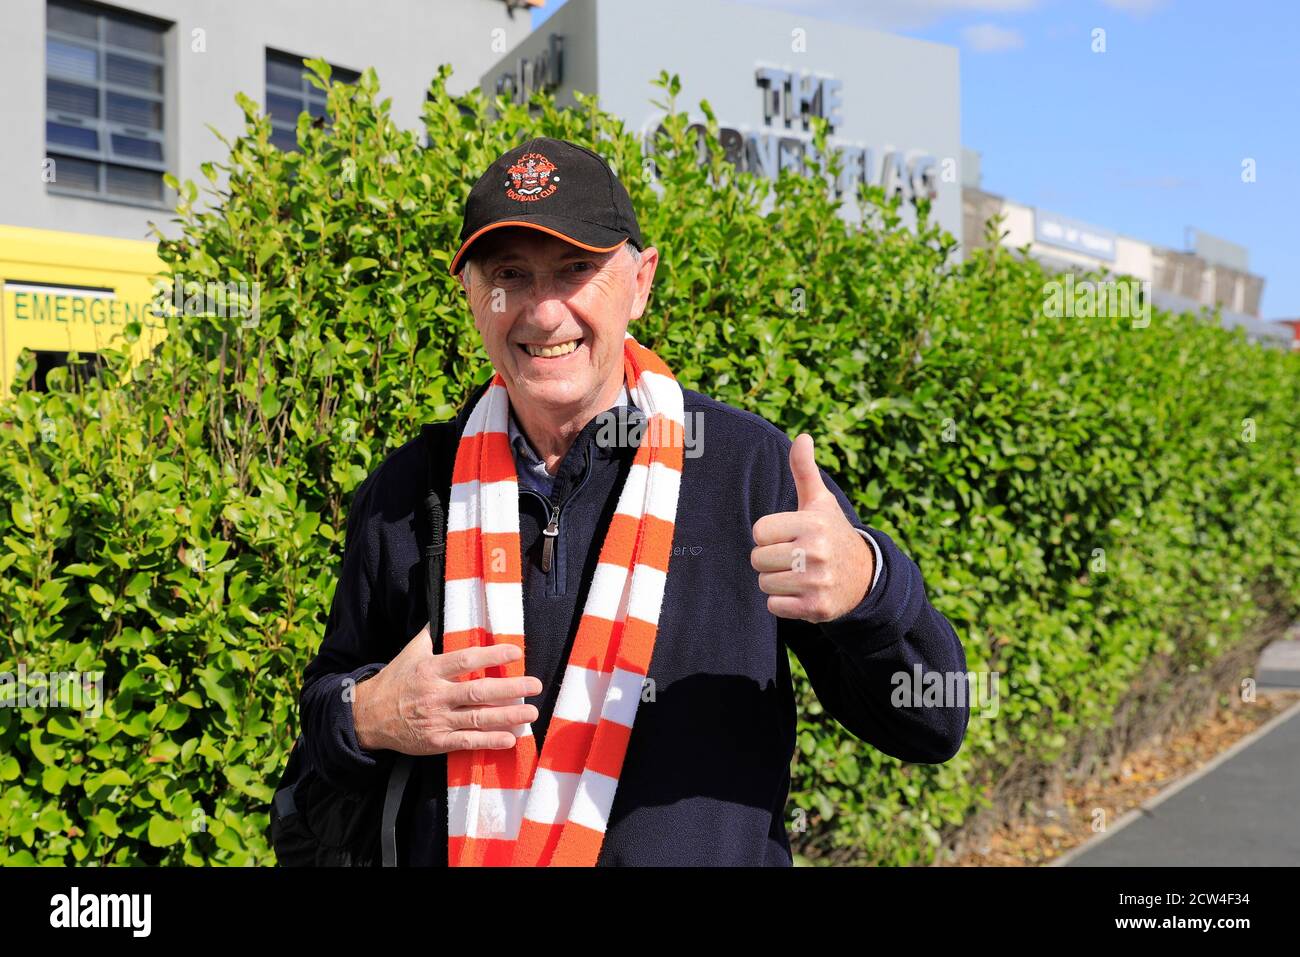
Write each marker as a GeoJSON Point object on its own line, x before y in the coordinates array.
{"type": "Point", "coordinates": [893, 102]}
{"type": "Point", "coordinates": [101, 98]}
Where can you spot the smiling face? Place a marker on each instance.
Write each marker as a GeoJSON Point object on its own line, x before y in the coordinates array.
{"type": "Point", "coordinates": [553, 317]}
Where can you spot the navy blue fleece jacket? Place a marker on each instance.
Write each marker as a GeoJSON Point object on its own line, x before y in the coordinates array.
{"type": "Point", "coordinates": [707, 770]}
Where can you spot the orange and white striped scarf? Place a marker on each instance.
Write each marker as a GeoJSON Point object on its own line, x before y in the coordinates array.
{"type": "Point", "coordinates": [511, 807]}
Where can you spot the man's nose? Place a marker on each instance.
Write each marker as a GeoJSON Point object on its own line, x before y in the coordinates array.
{"type": "Point", "coordinates": [547, 313]}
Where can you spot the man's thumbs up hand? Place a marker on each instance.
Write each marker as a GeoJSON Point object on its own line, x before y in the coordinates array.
{"type": "Point", "coordinates": [812, 562]}
{"type": "Point", "coordinates": [812, 491]}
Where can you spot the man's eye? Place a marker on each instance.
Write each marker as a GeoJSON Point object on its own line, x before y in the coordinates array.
{"type": "Point", "coordinates": [581, 263]}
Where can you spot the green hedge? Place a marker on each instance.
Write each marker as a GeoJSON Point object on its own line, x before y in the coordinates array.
{"type": "Point", "coordinates": [1086, 499]}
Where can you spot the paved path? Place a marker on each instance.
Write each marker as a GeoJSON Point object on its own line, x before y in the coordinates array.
{"type": "Point", "coordinates": [1242, 808]}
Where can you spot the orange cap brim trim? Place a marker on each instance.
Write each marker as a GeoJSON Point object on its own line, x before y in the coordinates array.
{"type": "Point", "coordinates": [455, 262]}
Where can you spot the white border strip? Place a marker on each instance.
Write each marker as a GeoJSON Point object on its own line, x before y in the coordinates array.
{"type": "Point", "coordinates": [40, 289]}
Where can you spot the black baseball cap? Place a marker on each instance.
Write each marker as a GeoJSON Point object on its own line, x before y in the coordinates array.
{"type": "Point", "coordinates": [554, 186]}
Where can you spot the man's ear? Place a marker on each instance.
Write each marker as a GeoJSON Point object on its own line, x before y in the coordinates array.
{"type": "Point", "coordinates": [644, 278]}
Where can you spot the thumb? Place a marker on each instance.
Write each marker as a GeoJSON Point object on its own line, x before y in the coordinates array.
{"type": "Point", "coordinates": [421, 645]}
{"type": "Point", "coordinates": [807, 477]}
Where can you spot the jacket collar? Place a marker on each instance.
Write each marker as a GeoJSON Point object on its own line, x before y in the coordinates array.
{"type": "Point", "coordinates": [523, 449]}
{"type": "Point", "coordinates": [607, 436]}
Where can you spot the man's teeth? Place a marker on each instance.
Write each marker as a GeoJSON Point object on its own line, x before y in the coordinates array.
{"type": "Point", "coordinates": [551, 351]}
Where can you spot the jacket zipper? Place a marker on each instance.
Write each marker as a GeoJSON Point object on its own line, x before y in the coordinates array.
{"type": "Point", "coordinates": [552, 529]}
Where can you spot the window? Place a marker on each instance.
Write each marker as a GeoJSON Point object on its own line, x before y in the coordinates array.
{"type": "Point", "coordinates": [289, 93]}
{"type": "Point", "coordinates": [88, 365]}
{"type": "Point", "coordinates": [104, 127]}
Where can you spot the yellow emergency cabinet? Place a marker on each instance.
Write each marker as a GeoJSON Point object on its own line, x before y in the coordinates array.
{"type": "Point", "coordinates": [64, 292]}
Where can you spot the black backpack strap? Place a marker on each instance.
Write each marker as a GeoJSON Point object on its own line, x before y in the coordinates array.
{"type": "Point", "coordinates": [440, 441]}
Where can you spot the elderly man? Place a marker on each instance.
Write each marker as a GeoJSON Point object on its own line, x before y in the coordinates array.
{"type": "Point", "coordinates": [613, 685]}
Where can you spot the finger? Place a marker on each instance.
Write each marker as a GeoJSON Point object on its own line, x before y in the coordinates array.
{"type": "Point", "coordinates": [478, 658]}
{"type": "Point", "coordinates": [483, 691]}
{"type": "Point", "coordinates": [472, 740]}
{"type": "Point", "coordinates": [779, 527]}
{"type": "Point", "coordinates": [773, 558]}
{"type": "Point", "coordinates": [786, 607]}
{"type": "Point", "coordinates": [807, 476]}
{"type": "Point", "coordinates": [783, 583]}
{"type": "Point", "coordinates": [492, 719]}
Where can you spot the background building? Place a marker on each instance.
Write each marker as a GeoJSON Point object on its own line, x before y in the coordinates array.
{"type": "Point", "coordinates": [1210, 272]}
{"type": "Point", "coordinates": [894, 102]}
{"type": "Point", "coordinates": [118, 93]}
{"type": "Point", "coordinates": [102, 99]}
{"type": "Point", "coordinates": [1294, 326]}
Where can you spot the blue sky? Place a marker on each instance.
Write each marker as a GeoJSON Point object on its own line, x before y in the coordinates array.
{"type": "Point", "coordinates": [1147, 138]}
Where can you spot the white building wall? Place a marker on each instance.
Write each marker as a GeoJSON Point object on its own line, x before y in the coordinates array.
{"type": "Point", "coordinates": [1133, 258]}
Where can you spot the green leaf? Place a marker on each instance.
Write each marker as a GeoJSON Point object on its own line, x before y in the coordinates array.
{"type": "Point", "coordinates": [218, 687]}
{"type": "Point", "coordinates": [138, 584]}
{"type": "Point", "coordinates": [165, 750]}
{"type": "Point", "coordinates": [53, 779]}
{"type": "Point", "coordinates": [43, 753]}
{"type": "Point", "coordinates": [164, 832]}
{"type": "Point", "coordinates": [107, 822]}
{"type": "Point", "coordinates": [66, 726]}
{"type": "Point", "coordinates": [100, 596]}
{"type": "Point", "coordinates": [113, 777]}
{"type": "Point", "coordinates": [21, 510]}
{"type": "Point", "coordinates": [270, 405]}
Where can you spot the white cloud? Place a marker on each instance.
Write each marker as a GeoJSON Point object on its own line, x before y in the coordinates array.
{"type": "Point", "coordinates": [1139, 8]}
{"type": "Point", "coordinates": [990, 38]}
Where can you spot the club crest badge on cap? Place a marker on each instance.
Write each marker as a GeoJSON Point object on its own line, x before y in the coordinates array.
{"type": "Point", "coordinates": [534, 177]}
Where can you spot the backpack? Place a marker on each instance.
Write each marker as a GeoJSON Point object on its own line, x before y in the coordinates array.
{"type": "Point", "coordinates": [316, 825]}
